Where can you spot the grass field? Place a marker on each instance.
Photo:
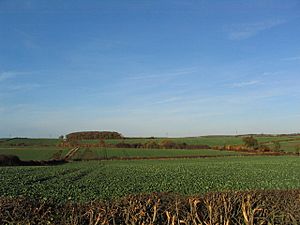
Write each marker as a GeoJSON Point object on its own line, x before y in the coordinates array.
{"type": "Point", "coordinates": [85, 181]}
{"type": "Point", "coordinates": [212, 140]}
{"type": "Point", "coordinates": [285, 141]}
{"type": "Point", "coordinates": [32, 152]}
{"type": "Point", "coordinates": [40, 142]}
{"type": "Point", "coordinates": [188, 140]}
{"type": "Point", "coordinates": [43, 149]}
{"type": "Point", "coordinates": [25, 191]}
{"type": "Point", "coordinates": [45, 153]}
{"type": "Point", "coordinates": [288, 146]}
{"type": "Point", "coordinates": [144, 153]}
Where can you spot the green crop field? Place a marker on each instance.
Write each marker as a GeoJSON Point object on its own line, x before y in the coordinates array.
{"type": "Point", "coordinates": [43, 149]}
{"type": "Point", "coordinates": [144, 153]}
{"type": "Point", "coordinates": [85, 181]}
{"type": "Point", "coordinates": [288, 145]}
{"type": "Point", "coordinates": [207, 140]}
{"type": "Point", "coordinates": [41, 142]}
{"type": "Point", "coordinates": [32, 152]}
{"type": "Point", "coordinates": [45, 153]}
{"type": "Point", "coordinates": [188, 140]}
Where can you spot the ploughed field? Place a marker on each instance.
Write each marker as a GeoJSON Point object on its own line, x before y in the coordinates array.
{"type": "Point", "coordinates": [90, 180]}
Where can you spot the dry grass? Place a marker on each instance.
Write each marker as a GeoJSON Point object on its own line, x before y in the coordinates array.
{"type": "Point", "coordinates": [254, 207]}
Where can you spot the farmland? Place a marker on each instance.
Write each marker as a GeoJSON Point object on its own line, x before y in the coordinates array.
{"type": "Point", "coordinates": [121, 180]}
{"type": "Point", "coordinates": [85, 181]}
{"type": "Point", "coordinates": [40, 142]}
{"type": "Point", "coordinates": [205, 140]}
{"type": "Point", "coordinates": [108, 153]}
{"type": "Point", "coordinates": [32, 153]}
{"type": "Point", "coordinates": [44, 149]}
{"type": "Point", "coordinates": [45, 153]}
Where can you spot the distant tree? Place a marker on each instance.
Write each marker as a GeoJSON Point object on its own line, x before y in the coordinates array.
{"type": "Point", "coordinates": [94, 135]}
{"type": "Point", "coordinates": [251, 142]}
{"type": "Point", "coordinates": [61, 137]}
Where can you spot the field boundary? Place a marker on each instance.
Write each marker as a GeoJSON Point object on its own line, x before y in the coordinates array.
{"type": "Point", "coordinates": [248, 207]}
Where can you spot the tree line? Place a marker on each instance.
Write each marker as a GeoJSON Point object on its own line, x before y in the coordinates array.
{"type": "Point", "coordinates": [93, 135]}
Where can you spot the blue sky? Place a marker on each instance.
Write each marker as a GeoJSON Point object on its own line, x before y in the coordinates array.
{"type": "Point", "coordinates": [149, 68]}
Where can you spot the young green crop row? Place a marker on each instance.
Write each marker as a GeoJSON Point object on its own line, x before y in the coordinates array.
{"type": "Point", "coordinates": [85, 181]}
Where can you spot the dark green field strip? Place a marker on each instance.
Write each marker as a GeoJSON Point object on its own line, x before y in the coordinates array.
{"type": "Point", "coordinates": [45, 153]}
{"type": "Point", "coordinates": [290, 146]}
{"type": "Point", "coordinates": [275, 138]}
{"type": "Point", "coordinates": [30, 142]}
{"type": "Point", "coordinates": [207, 140]}
{"type": "Point", "coordinates": [32, 153]}
{"type": "Point", "coordinates": [113, 179]}
{"type": "Point", "coordinates": [287, 146]}
{"type": "Point", "coordinates": [115, 152]}
{"type": "Point", "coordinates": [191, 141]}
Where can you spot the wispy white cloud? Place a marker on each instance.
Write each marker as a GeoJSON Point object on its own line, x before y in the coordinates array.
{"type": "Point", "coordinates": [247, 30]}
{"type": "Point", "coordinates": [168, 74]}
{"type": "Point", "coordinates": [23, 87]}
{"type": "Point", "coordinates": [246, 83]}
{"type": "Point", "coordinates": [295, 58]}
{"type": "Point", "coordinates": [14, 85]}
{"type": "Point", "coordinates": [168, 100]}
{"type": "Point", "coordinates": [7, 75]}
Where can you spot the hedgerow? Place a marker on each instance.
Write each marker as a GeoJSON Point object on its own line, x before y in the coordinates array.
{"type": "Point", "coordinates": [253, 207]}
